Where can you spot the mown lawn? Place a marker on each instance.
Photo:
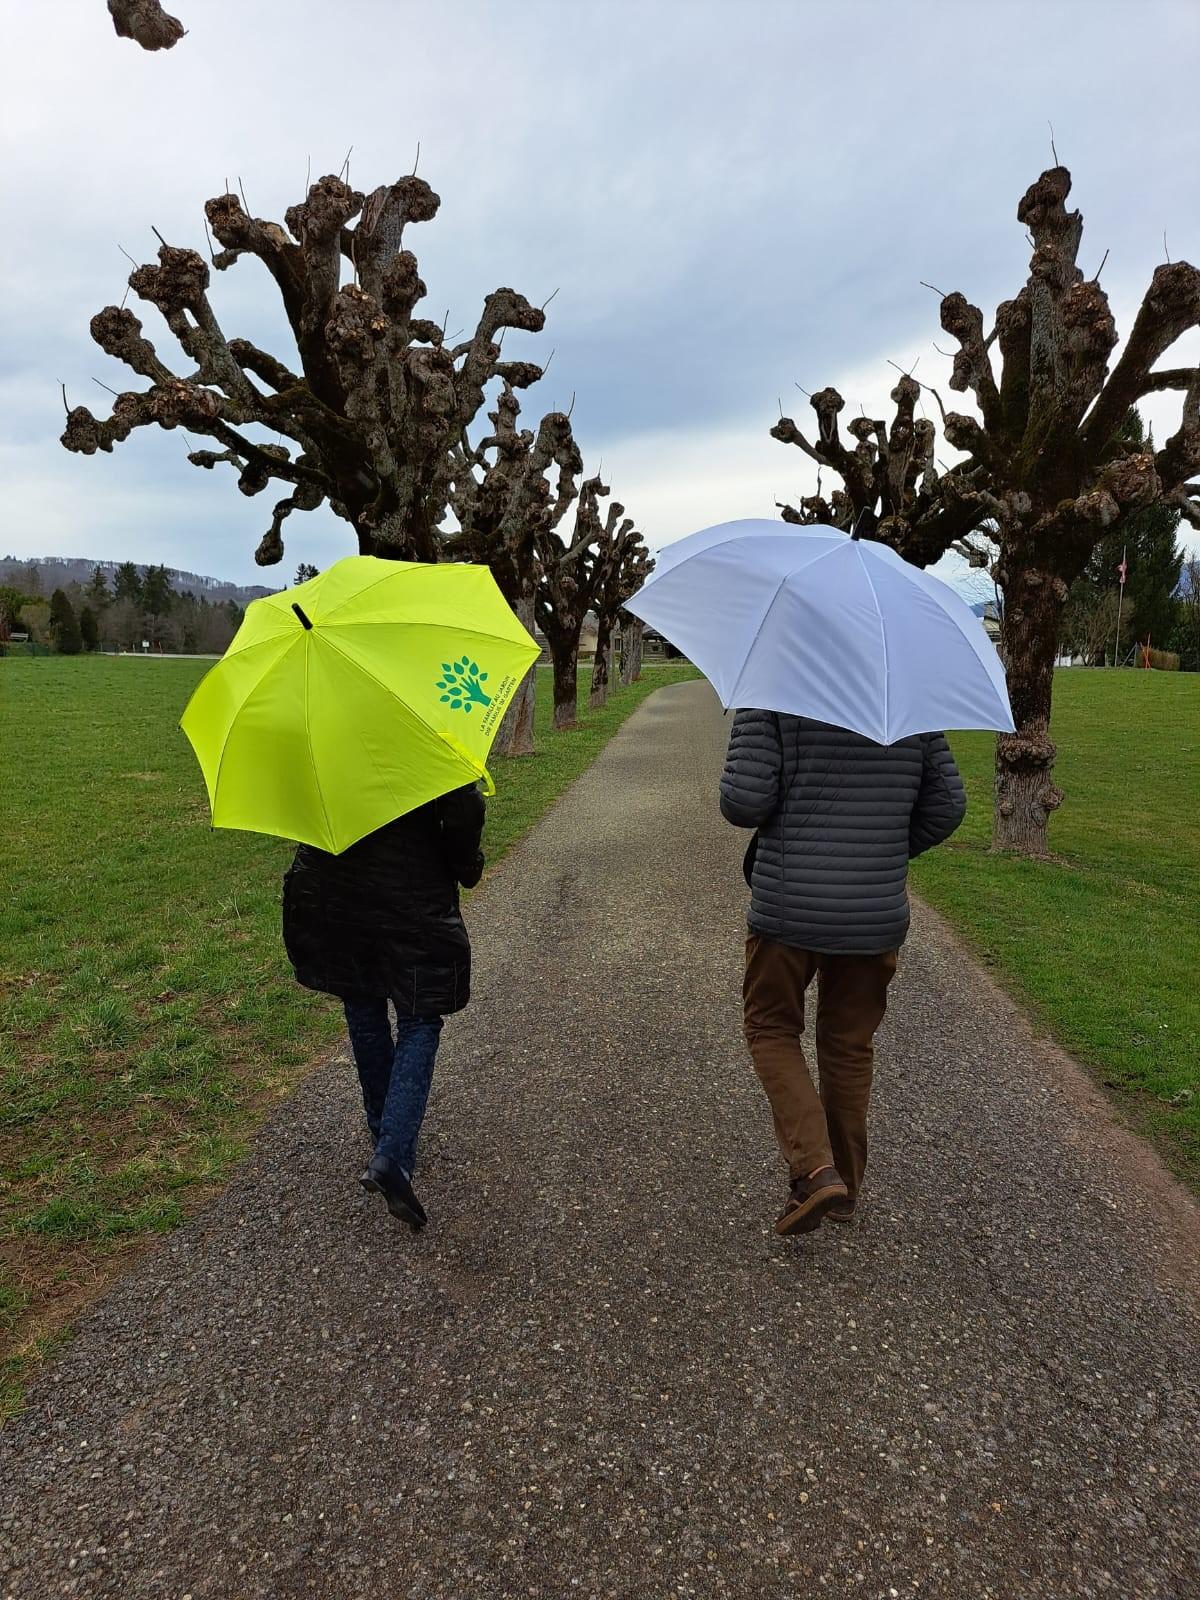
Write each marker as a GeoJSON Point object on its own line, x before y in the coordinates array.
{"type": "Point", "coordinates": [148, 1017]}
{"type": "Point", "coordinates": [1103, 941]}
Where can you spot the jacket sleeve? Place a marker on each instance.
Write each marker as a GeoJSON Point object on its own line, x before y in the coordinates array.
{"type": "Point", "coordinates": [941, 800]}
{"type": "Point", "coordinates": [461, 815]}
{"type": "Point", "coordinates": [753, 765]}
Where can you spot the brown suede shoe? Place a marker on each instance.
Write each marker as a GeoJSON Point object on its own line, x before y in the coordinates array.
{"type": "Point", "coordinates": [842, 1210]}
{"type": "Point", "coordinates": [810, 1199]}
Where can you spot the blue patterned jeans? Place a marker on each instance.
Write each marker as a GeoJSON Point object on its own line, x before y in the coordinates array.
{"type": "Point", "coordinates": [395, 1074]}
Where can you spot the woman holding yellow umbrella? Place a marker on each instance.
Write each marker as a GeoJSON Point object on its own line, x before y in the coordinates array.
{"type": "Point", "coordinates": [354, 713]}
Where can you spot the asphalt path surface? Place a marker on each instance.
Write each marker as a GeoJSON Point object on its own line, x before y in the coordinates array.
{"type": "Point", "coordinates": [598, 1372]}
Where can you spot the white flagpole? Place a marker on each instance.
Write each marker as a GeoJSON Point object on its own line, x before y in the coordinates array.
{"type": "Point", "coordinates": [1120, 599]}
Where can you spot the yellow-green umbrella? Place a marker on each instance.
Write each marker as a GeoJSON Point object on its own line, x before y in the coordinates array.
{"type": "Point", "coordinates": [355, 697]}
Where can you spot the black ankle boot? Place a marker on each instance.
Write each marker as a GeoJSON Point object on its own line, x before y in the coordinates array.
{"type": "Point", "coordinates": [386, 1178]}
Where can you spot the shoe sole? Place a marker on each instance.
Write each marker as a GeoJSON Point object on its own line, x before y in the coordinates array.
{"type": "Point", "coordinates": [395, 1205]}
{"type": "Point", "coordinates": [809, 1216]}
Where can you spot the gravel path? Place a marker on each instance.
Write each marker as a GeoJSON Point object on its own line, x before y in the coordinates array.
{"type": "Point", "coordinates": [598, 1373]}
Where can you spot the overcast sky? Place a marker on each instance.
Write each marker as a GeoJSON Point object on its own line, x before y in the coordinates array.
{"type": "Point", "coordinates": [729, 199]}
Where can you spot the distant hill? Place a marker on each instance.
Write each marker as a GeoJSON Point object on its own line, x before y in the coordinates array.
{"type": "Point", "coordinates": [58, 570]}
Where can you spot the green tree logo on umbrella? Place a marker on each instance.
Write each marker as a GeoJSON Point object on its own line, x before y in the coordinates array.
{"type": "Point", "coordinates": [462, 685]}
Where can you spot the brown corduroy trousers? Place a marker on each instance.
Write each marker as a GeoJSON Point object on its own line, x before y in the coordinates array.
{"type": "Point", "coordinates": [830, 1128]}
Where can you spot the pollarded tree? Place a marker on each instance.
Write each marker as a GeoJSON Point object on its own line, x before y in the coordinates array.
{"type": "Point", "coordinates": [380, 400]}
{"type": "Point", "coordinates": [621, 560]}
{"type": "Point", "coordinates": [567, 582]}
{"type": "Point", "coordinates": [146, 22]}
{"type": "Point", "coordinates": [1046, 471]}
{"type": "Point", "coordinates": [510, 488]}
{"type": "Point", "coordinates": [633, 629]}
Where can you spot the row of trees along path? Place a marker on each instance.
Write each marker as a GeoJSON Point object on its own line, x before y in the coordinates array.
{"type": "Point", "coordinates": [379, 424]}
{"type": "Point", "coordinates": [378, 421]}
{"type": "Point", "coordinates": [1053, 464]}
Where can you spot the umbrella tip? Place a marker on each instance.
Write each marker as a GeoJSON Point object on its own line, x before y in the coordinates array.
{"type": "Point", "coordinates": [304, 621]}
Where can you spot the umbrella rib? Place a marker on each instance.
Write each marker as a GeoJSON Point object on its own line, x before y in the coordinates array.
{"type": "Point", "coordinates": [806, 567]}
{"type": "Point", "coordinates": [436, 627]}
{"type": "Point", "coordinates": [312, 760]}
{"type": "Point", "coordinates": [882, 640]}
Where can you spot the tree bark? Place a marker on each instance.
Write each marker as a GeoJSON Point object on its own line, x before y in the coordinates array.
{"type": "Point", "coordinates": [600, 671]}
{"type": "Point", "coordinates": [565, 653]}
{"type": "Point", "coordinates": [631, 649]}
{"type": "Point", "coordinates": [1026, 796]}
{"type": "Point", "coordinates": [146, 23]}
{"type": "Point", "coordinates": [515, 737]}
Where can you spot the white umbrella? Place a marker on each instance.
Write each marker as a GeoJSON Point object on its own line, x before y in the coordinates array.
{"type": "Point", "coordinates": [812, 621]}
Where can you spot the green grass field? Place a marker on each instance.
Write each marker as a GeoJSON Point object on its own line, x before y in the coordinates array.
{"type": "Point", "coordinates": [1103, 941]}
{"type": "Point", "coordinates": [148, 1016]}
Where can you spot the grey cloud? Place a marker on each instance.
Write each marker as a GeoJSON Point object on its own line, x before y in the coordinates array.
{"type": "Point", "coordinates": [727, 197]}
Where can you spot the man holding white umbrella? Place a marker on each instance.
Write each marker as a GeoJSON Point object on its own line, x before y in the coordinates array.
{"type": "Point", "coordinates": [849, 660]}
{"type": "Point", "coordinates": [838, 819]}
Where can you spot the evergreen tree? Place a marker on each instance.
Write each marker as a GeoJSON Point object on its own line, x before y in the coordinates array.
{"type": "Point", "coordinates": [128, 584]}
{"type": "Point", "coordinates": [157, 593]}
{"type": "Point", "coordinates": [64, 625]}
{"type": "Point", "coordinates": [97, 589]}
{"type": "Point", "coordinates": [1149, 539]}
{"type": "Point", "coordinates": [89, 630]}
{"type": "Point", "coordinates": [305, 571]}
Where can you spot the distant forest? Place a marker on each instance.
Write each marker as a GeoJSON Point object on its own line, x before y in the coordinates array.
{"type": "Point", "coordinates": [73, 605]}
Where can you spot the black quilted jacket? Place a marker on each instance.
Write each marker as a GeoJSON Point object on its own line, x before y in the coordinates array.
{"type": "Point", "coordinates": [383, 918]}
{"type": "Point", "coordinates": [838, 818]}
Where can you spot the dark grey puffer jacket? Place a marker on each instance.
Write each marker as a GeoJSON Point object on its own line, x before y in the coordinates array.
{"type": "Point", "coordinates": [838, 820]}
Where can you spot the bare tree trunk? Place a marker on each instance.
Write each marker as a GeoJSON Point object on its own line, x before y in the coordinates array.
{"type": "Point", "coordinates": [515, 734]}
{"type": "Point", "coordinates": [1026, 796]}
{"type": "Point", "coordinates": [515, 737]}
{"type": "Point", "coordinates": [565, 652]}
{"type": "Point", "coordinates": [600, 671]}
{"type": "Point", "coordinates": [631, 649]}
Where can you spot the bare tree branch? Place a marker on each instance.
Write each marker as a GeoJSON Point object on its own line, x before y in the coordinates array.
{"type": "Point", "coordinates": [378, 406]}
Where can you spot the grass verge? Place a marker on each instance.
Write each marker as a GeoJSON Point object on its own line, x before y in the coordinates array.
{"type": "Point", "coordinates": [1102, 941]}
